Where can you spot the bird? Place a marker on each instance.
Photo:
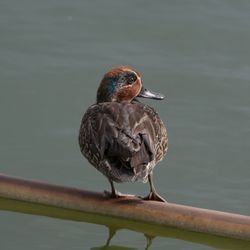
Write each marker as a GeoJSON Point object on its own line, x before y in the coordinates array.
{"type": "Point", "coordinates": [122, 137]}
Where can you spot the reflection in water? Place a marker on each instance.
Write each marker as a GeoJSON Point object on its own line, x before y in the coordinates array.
{"type": "Point", "coordinates": [112, 232]}
{"type": "Point", "coordinates": [108, 246]}
{"type": "Point", "coordinates": [115, 247]}
{"type": "Point", "coordinates": [149, 240]}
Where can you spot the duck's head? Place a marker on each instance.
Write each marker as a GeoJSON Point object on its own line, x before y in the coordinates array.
{"type": "Point", "coordinates": [123, 84]}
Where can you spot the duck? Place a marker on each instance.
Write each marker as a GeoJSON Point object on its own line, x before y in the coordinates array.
{"type": "Point", "coordinates": [122, 137]}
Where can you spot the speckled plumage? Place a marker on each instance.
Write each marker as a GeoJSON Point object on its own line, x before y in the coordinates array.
{"type": "Point", "coordinates": [121, 137]}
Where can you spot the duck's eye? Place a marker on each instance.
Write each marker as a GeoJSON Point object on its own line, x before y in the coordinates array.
{"type": "Point", "coordinates": [131, 79]}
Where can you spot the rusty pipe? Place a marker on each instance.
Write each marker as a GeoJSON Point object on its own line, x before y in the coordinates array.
{"type": "Point", "coordinates": [132, 208]}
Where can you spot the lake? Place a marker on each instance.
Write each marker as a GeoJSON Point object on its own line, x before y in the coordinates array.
{"type": "Point", "coordinates": [53, 55]}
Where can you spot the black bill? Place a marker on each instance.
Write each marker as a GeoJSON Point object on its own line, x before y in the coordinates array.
{"type": "Point", "coordinates": [150, 94]}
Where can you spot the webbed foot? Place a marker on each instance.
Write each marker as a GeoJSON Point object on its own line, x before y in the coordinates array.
{"type": "Point", "coordinates": [153, 196]}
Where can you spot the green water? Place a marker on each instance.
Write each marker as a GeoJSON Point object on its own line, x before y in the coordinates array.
{"type": "Point", "coordinates": [52, 57]}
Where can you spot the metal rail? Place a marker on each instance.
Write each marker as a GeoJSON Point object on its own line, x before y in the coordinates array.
{"type": "Point", "coordinates": [164, 214]}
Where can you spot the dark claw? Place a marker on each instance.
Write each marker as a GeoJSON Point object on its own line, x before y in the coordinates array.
{"type": "Point", "coordinates": [112, 195]}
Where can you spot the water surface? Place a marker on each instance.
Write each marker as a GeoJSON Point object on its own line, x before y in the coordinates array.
{"type": "Point", "coordinates": [52, 57]}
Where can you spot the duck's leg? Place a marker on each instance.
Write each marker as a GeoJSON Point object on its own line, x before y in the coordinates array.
{"type": "Point", "coordinates": [153, 195]}
{"type": "Point", "coordinates": [113, 191]}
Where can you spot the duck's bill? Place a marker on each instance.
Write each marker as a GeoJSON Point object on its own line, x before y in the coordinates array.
{"type": "Point", "coordinates": [145, 93]}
